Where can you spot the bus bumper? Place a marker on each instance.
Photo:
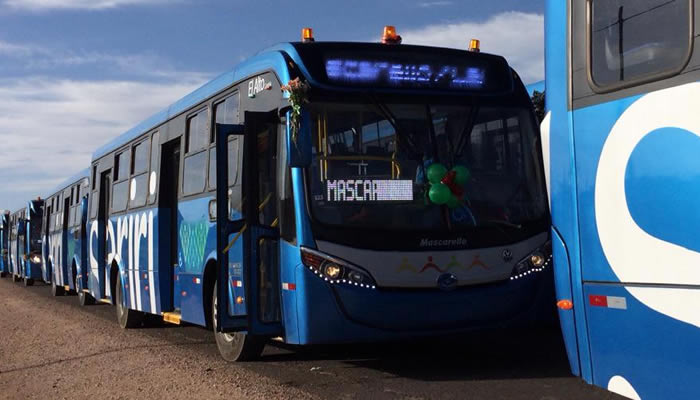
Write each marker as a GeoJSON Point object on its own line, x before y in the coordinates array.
{"type": "Point", "coordinates": [343, 313]}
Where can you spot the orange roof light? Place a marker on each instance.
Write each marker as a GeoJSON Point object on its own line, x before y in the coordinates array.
{"type": "Point", "coordinates": [389, 36]}
{"type": "Point", "coordinates": [474, 45]}
{"type": "Point", "coordinates": [307, 35]}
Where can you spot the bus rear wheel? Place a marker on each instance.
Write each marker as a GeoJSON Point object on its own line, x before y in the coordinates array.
{"type": "Point", "coordinates": [127, 318]}
{"type": "Point", "coordinates": [85, 299]}
{"type": "Point", "coordinates": [235, 346]}
{"type": "Point", "coordinates": [56, 290]}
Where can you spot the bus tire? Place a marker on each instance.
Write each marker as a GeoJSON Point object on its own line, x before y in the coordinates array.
{"type": "Point", "coordinates": [3, 274]}
{"type": "Point", "coordinates": [127, 318]}
{"type": "Point", "coordinates": [56, 290]}
{"type": "Point", "coordinates": [235, 346]}
{"type": "Point", "coordinates": [85, 299]}
{"type": "Point", "coordinates": [28, 282]}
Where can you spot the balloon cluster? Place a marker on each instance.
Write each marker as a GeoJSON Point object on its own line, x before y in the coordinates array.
{"type": "Point", "coordinates": [447, 187]}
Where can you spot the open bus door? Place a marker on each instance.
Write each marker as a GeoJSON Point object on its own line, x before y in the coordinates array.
{"type": "Point", "coordinates": [247, 233]}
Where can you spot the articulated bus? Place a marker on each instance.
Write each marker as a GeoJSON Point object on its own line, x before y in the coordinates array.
{"type": "Point", "coordinates": [4, 243]}
{"type": "Point", "coordinates": [64, 248]}
{"type": "Point", "coordinates": [621, 136]}
{"type": "Point", "coordinates": [324, 193]}
{"type": "Point", "coordinates": [25, 243]}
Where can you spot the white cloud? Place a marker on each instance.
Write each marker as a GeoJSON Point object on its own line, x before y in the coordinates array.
{"type": "Point", "coordinates": [439, 3]}
{"type": "Point", "coordinates": [50, 128]}
{"type": "Point", "coordinates": [517, 36]}
{"type": "Point", "coordinates": [39, 5]}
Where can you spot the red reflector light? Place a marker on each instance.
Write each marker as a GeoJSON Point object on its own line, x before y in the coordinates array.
{"type": "Point", "coordinates": [598, 301]}
{"type": "Point", "coordinates": [565, 304]}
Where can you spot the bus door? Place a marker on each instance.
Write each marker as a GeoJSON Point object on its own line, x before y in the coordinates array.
{"type": "Point", "coordinates": [64, 241]}
{"type": "Point", "coordinates": [103, 227]}
{"type": "Point", "coordinates": [168, 222]}
{"type": "Point", "coordinates": [45, 248]}
{"type": "Point", "coordinates": [247, 233]}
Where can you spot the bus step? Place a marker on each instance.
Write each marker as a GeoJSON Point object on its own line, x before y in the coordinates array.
{"type": "Point", "coordinates": [172, 317]}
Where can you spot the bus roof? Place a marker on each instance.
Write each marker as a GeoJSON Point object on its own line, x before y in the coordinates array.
{"type": "Point", "coordinates": [273, 58]}
{"type": "Point", "coordinates": [73, 179]}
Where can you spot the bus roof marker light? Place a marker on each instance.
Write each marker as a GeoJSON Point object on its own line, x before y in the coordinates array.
{"type": "Point", "coordinates": [475, 45]}
{"type": "Point", "coordinates": [389, 35]}
{"type": "Point", "coordinates": [307, 35]}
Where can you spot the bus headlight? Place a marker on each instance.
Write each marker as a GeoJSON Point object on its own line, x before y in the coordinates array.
{"type": "Point", "coordinates": [35, 258]}
{"type": "Point", "coordinates": [536, 261]}
{"type": "Point", "coordinates": [336, 271]}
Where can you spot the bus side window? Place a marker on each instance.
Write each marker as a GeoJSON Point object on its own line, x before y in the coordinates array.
{"type": "Point", "coordinates": [631, 40]}
{"type": "Point", "coordinates": [284, 188]}
{"type": "Point", "coordinates": [155, 162]}
{"type": "Point", "coordinates": [235, 181]}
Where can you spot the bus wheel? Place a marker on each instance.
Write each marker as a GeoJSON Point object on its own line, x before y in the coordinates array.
{"type": "Point", "coordinates": [28, 282]}
{"type": "Point", "coordinates": [127, 318]}
{"type": "Point", "coordinates": [56, 290]}
{"type": "Point", "coordinates": [3, 274]}
{"type": "Point", "coordinates": [85, 299]}
{"type": "Point", "coordinates": [235, 346]}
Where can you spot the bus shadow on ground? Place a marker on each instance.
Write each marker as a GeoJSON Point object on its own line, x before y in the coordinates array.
{"type": "Point", "coordinates": [511, 354]}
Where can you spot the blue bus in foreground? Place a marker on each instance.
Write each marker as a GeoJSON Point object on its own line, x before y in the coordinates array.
{"type": "Point", "coordinates": [319, 193]}
{"type": "Point", "coordinates": [64, 248]}
{"type": "Point", "coordinates": [621, 139]}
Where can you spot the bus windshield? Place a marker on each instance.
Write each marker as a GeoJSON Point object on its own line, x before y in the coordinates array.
{"type": "Point", "coordinates": [375, 166]}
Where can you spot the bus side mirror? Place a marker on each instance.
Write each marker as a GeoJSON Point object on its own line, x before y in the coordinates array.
{"type": "Point", "coordinates": [299, 145]}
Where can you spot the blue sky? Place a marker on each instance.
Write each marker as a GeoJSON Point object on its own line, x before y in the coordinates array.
{"type": "Point", "coordinates": [75, 73]}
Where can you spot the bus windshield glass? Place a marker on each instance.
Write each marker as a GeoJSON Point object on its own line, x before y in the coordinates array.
{"type": "Point", "coordinates": [425, 167]}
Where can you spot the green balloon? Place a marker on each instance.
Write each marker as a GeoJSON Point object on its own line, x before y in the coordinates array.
{"type": "Point", "coordinates": [453, 202]}
{"type": "Point", "coordinates": [436, 172]}
{"type": "Point", "coordinates": [462, 175]}
{"type": "Point", "coordinates": [439, 193]}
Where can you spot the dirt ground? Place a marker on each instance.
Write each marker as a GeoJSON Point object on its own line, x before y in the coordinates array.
{"type": "Point", "coordinates": [50, 351]}
{"type": "Point", "coordinates": [51, 348]}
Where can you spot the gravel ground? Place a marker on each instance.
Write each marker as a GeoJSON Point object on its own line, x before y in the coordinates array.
{"type": "Point", "coordinates": [51, 348]}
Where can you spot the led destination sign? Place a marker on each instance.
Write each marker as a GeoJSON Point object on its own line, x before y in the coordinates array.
{"type": "Point", "coordinates": [368, 190]}
{"type": "Point", "coordinates": [404, 74]}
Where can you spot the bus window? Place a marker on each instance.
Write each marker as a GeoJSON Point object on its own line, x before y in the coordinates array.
{"type": "Point", "coordinates": [120, 196]}
{"type": "Point", "coordinates": [632, 40]}
{"type": "Point", "coordinates": [155, 161]}
{"type": "Point", "coordinates": [139, 191]}
{"type": "Point", "coordinates": [194, 173]}
{"type": "Point", "coordinates": [197, 132]}
{"type": "Point", "coordinates": [140, 158]}
{"type": "Point", "coordinates": [121, 166]}
{"type": "Point", "coordinates": [212, 168]}
{"type": "Point", "coordinates": [235, 160]}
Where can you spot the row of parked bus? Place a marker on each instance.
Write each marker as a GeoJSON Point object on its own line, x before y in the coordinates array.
{"type": "Point", "coordinates": [317, 193]}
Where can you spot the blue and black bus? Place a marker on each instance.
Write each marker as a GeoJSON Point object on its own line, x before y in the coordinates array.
{"type": "Point", "coordinates": [326, 193]}
{"type": "Point", "coordinates": [25, 243]}
{"type": "Point", "coordinates": [4, 243]}
{"type": "Point", "coordinates": [621, 141]}
{"type": "Point", "coordinates": [64, 247]}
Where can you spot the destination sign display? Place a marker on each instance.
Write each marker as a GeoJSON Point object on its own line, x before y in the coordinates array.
{"type": "Point", "coordinates": [368, 190]}
{"type": "Point", "coordinates": [405, 74]}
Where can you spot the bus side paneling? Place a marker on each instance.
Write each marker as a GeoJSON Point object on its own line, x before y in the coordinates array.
{"type": "Point", "coordinates": [558, 139]}
{"type": "Point", "coordinates": [637, 233]}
